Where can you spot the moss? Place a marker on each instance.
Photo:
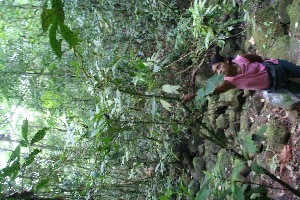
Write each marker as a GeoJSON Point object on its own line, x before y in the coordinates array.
{"type": "Point", "coordinates": [282, 12]}
{"type": "Point", "coordinates": [267, 29]}
{"type": "Point", "coordinates": [222, 122]}
{"type": "Point", "coordinates": [293, 12]}
{"type": "Point", "coordinates": [276, 135]}
{"type": "Point", "coordinates": [280, 48]}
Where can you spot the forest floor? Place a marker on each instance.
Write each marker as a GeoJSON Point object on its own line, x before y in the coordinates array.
{"type": "Point", "coordinates": [273, 37]}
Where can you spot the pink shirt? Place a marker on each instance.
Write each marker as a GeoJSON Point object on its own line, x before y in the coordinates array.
{"type": "Point", "coordinates": [254, 75]}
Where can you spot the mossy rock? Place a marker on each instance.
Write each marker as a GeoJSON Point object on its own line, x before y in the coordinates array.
{"type": "Point", "coordinates": [276, 135]}
{"type": "Point", "coordinates": [267, 29]}
{"type": "Point", "coordinates": [293, 12]}
{"type": "Point", "coordinates": [282, 12]}
{"type": "Point", "coordinates": [199, 166]}
{"type": "Point", "coordinates": [280, 48]}
{"type": "Point", "coordinates": [230, 98]}
{"type": "Point", "coordinates": [222, 122]}
{"type": "Point", "coordinates": [193, 142]}
{"type": "Point", "coordinates": [244, 121]}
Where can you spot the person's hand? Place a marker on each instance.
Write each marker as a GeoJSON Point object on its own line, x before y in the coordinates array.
{"type": "Point", "coordinates": [187, 97]}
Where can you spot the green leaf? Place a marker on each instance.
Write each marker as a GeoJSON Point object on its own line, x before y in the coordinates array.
{"type": "Point", "coordinates": [68, 35]}
{"type": "Point", "coordinates": [55, 44]}
{"type": "Point", "coordinates": [25, 130]}
{"type": "Point", "coordinates": [31, 157]}
{"type": "Point", "coordinates": [171, 89]}
{"type": "Point", "coordinates": [39, 136]}
{"type": "Point", "coordinates": [163, 197]}
{"type": "Point", "coordinates": [48, 17]}
{"type": "Point", "coordinates": [204, 193]}
{"type": "Point", "coordinates": [200, 95]}
{"type": "Point", "coordinates": [213, 82]}
{"type": "Point", "coordinates": [12, 169]}
{"type": "Point", "coordinates": [237, 169]}
{"type": "Point", "coordinates": [15, 154]}
{"type": "Point", "coordinates": [57, 4]}
{"type": "Point", "coordinates": [175, 128]}
{"type": "Point", "coordinates": [184, 189]}
{"type": "Point", "coordinates": [238, 193]}
{"type": "Point", "coordinates": [262, 130]}
{"type": "Point", "coordinates": [166, 105]}
{"type": "Point", "coordinates": [142, 67]}
{"type": "Point", "coordinates": [257, 168]}
{"type": "Point", "coordinates": [41, 184]}
{"type": "Point", "coordinates": [258, 190]}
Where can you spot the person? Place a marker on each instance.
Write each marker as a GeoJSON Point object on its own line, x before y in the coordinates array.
{"type": "Point", "coordinates": [251, 72]}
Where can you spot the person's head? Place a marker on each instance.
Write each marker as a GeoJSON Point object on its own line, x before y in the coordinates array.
{"type": "Point", "coordinates": [221, 65]}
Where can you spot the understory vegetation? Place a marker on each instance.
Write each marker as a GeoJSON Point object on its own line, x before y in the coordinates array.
{"type": "Point", "coordinates": [91, 101]}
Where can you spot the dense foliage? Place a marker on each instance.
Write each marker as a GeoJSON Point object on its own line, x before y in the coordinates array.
{"type": "Point", "coordinates": [90, 108]}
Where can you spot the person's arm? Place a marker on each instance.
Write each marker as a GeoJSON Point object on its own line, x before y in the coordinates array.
{"type": "Point", "coordinates": [224, 87]}
{"type": "Point", "coordinates": [252, 57]}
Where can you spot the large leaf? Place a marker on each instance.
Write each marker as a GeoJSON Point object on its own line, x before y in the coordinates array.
{"type": "Point", "coordinates": [171, 89]}
{"type": "Point", "coordinates": [200, 95]}
{"type": "Point", "coordinates": [213, 82]}
{"type": "Point", "coordinates": [257, 168]}
{"type": "Point", "coordinates": [238, 193]}
{"type": "Point", "coordinates": [31, 157]}
{"type": "Point", "coordinates": [57, 4]}
{"type": "Point", "coordinates": [166, 105]}
{"type": "Point", "coordinates": [203, 194]}
{"type": "Point", "coordinates": [41, 184]}
{"type": "Point", "coordinates": [39, 136]}
{"type": "Point", "coordinates": [15, 154]}
{"type": "Point", "coordinates": [258, 190]}
{"type": "Point", "coordinates": [55, 44]}
{"type": "Point", "coordinates": [48, 17]}
{"type": "Point", "coordinates": [237, 169]}
{"type": "Point", "coordinates": [25, 130]}
{"type": "Point", "coordinates": [70, 37]}
{"type": "Point", "coordinates": [12, 169]}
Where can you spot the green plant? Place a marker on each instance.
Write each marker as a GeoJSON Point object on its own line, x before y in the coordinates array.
{"type": "Point", "coordinates": [207, 24]}
{"type": "Point", "coordinates": [17, 164]}
{"type": "Point", "coordinates": [53, 19]}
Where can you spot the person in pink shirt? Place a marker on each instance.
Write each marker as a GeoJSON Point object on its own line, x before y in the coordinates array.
{"type": "Point", "coordinates": [251, 72]}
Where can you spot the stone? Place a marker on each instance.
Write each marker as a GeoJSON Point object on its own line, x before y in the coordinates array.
{"type": "Point", "coordinates": [222, 122]}
{"type": "Point", "coordinates": [194, 141]}
{"type": "Point", "coordinates": [201, 150]}
{"type": "Point", "coordinates": [276, 135]}
{"type": "Point", "coordinates": [199, 166]}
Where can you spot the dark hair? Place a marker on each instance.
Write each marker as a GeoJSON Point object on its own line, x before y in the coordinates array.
{"type": "Point", "coordinates": [217, 58]}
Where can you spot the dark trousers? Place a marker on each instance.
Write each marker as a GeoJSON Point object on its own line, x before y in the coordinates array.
{"type": "Point", "coordinates": [291, 71]}
{"type": "Point", "coordinates": [280, 74]}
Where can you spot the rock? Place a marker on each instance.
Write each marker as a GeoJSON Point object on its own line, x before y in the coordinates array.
{"type": "Point", "coordinates": [186, 179]}
{"type": "Point", "coordinates": [282, 12]}
{"type": "Point", "coordinates": [186, 158]}
{"type": "Point", "coordinates": [210, 164]}
{"type": "Point", "coordinates": [231, 98]}
{"type": "Point", "coordinates": [194, 141]}
{"type": "Point", "coordinates": [230, 48]}
{"type": "Point", "coordinates": [201, 150]}
{"type": "Point", "coordinates": [199, 166]}
{"type": "Point", "coordinates": [194, 187]}
{"type": "Point", "coordinates": [267, 30]}
{"type": "Point", "coordinates": [276, 135]}
{"type": "Point", "coordinates": [222, 122]}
